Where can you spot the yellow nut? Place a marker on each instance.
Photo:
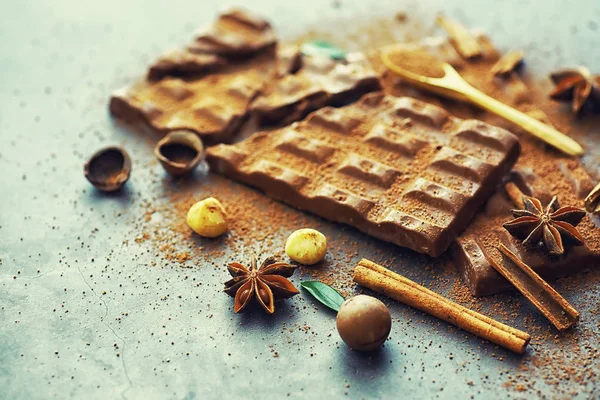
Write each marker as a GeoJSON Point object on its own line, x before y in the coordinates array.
{"type": "Point", "coordinates": [207, 218]}
{"type": "Point", "coordinates": [306, 246]}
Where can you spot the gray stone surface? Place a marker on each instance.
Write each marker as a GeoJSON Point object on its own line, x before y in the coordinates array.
{"type": "Point", "coordinates": [87, 312]}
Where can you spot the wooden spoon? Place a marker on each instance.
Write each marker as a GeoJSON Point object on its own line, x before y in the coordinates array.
{"type": "Point", "coordinates": [454, 86]}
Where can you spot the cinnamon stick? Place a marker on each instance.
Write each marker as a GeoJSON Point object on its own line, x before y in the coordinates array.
{"type": "Point", "coordinates": [509, 62]}
{"type": "Point", "coordinates": [554, 307]}
{"type": "Point", "coordinates": [592, 200]}
{"type": "Point", "coordinates": [515, 194]}
{"type": "Point", "coordinates": [463, 41]}
{"type": "Point", "coordinates": [396, 286]}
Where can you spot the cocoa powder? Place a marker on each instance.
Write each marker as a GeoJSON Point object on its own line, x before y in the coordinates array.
{"type": "Point", "coordinates": [417, 61]}
{"type": "Point", "coordinates": [257, 223]}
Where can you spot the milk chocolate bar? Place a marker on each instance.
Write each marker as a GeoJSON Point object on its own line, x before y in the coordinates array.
{"type": "Point", "coordinates": [477, 245]}
{"type": "Point", "coordinates": [217, 104]}
{"type": "Point", "coordinates": [208, 86]}
{"type": "Point", "coordinates": [236, 33]}
{"type": "Point", "coordinates": [180, 63]}
{"type": "Point", "coordinates": [320, 81]}
{"type": "Point", "coordinates": [214, 107]}
{"type": "Point", "coordinates": [236, 36]}
{"type": "Point", "coordinates": [397, 169]}
{"type": "Point", "coordinates": [233, 70]}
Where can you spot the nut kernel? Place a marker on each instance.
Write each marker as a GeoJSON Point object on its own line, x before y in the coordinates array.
{"type": "Point", "coordinates": [364, 323]}
{"type": "Point", "coordinates": [207, 218]}
{"type": "Point", "coordinates": [306, 246]}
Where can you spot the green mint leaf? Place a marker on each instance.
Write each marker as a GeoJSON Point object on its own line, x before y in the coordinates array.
{"type": "Point", "coordinates": [324, 293]}
{"type": "Point", "coordinates": [322, 47]}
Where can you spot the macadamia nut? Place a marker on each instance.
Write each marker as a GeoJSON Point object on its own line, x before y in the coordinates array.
{"type": "Point", "coordinates": [364, 322]}
{"type": "Point", "coordinates": [306, 246]}
{"type": "Point", "coordinates": [207, 218]}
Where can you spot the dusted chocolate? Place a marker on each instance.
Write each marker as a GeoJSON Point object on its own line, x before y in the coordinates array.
{"type": "Point", "coordinates": [214, 107]}
{"type": "Point", "coordinates": [476, 245]}
{"type": "Point", "coordinates": [236, 34]}
{"type": "Point", "coordinates": [232, 71]}
{"type": "Point", "coordinates": [206, 88]}
{"type": "Point", "coordinates": [178, 63]}
{"type": "Point", "coordinates": [320, 81]}
{"type": "Point", "coordinates": [396, 168]}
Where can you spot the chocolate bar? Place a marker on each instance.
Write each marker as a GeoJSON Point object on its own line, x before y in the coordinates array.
{"type": "Point", "coordinates": [320, 81]}
{"type": "Point", "coordinates": [477, 245]}
{"type": "Point", "coordinates": [178, 63]}
{"type": "Point", "coordinates": [235, 34]}
{"type": "Point", "coordinates": [397, 169]}
{"type": "Point", "coordinates": [207, 87]}
{"type": "Point", "coordinates": [211, 86]}
{"type": "Point", "coordinates": [214, 107]}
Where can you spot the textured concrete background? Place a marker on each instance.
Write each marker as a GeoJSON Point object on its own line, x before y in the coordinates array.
{"type": "Point", "coordinates": [85, 313]}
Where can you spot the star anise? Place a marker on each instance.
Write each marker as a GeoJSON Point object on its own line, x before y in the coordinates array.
{"type": "Point", "coordinates": [265, 283]}
{"type": "Point", "coordinates": [553, 225]}
{"type": "Point", "coordinates": [577, 85]}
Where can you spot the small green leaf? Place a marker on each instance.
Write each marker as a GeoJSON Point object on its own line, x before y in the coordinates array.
{"type": "Point", "coordinates": [322, 47]}
{"type": "Point", "coordinates": [324, 293]}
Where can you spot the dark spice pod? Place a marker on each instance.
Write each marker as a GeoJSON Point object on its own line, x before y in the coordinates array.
{"type": "Point", "coordinates": [108, 169]}
{"type": "Point", "coordinates": [179, 152]}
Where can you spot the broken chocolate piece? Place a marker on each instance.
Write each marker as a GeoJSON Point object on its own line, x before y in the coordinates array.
{"type": "Point", "coordinates": [213, 107]}
{"type": "Point", "coordinates": [475, 247]}
{"type": "Point", "coordinates": [289, 59]}
{"type": "Point", "coordinates": [320, 82]}
{"type": "Point", "coordinates": [235, 34]}
{"type": "Point", "coordinates": [179, 63]}
{"type": "Point", "coordinates": [218, 78]}
{"type": "Point", "coordinates": [395, 168]}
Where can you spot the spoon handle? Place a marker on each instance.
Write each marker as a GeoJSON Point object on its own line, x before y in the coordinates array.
{"type": "Point", "coordinates": [538, 129]}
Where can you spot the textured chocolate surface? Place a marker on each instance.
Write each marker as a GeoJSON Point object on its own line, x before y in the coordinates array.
{"type": "Point", "coordinates": [396, 168]}
{"type": "Point", "coordinates": [320, 81]}
{"type": "Point", "coordinates": [178, 63]}
{"type": "Point", "coordinates": [236, 33]}
{"type": "Point", "coordinates": [473, 250]}
{"type": "Point", "coordinates": [235, 36]}
{"type": "Point", "coordinates": [233, 70]}
{"type": "Point", "coordinates": [208, 86]}
{"type": "Point", "coordinates": [214, 107]}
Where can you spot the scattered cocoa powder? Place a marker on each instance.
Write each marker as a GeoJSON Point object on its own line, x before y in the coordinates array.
{"type": "Point", "coordinates": [417, 61]}
{"type": "Point", "coordinates": [258, 224]}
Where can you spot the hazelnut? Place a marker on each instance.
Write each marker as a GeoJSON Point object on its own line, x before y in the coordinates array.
{"type": "Point", "coordinates": [363, 323]}
{"type": "Point", "coordinates": [306, 246]}
{"type": "Point", "coordinates": [207, 218]}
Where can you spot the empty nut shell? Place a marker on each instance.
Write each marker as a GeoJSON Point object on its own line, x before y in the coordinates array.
{"type": "Point", "coordinates": [592, 201]}
{"type": "Point", "coordinates": [363, 322]}
{"type": "Point", "coordinates": [179, 152]}
{"type": "Point", "coordinates": [108, 169]}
